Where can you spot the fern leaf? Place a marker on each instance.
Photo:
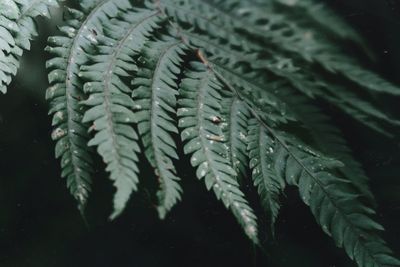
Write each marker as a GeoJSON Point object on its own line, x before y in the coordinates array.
{"type": "Point", "coordinates": [111, 107]}
{"type": "Point", "coordinates": [66, 93]}
{"type": "Point", "coordinates": [64, 97]}
{"type": "Point", "coordinates": [234, 124]}
{"type": "Point", "coordinates": [334, 205]}
{"type": "Point", "coordinates": [155, 94]}
{"type": "Point", "coordinates": [17, 29]}
{"type": "Point", "coordinates": [9, 12]}
{"type": "Point", "coordinates": [328, 139]}
{"type": "Point", "coordinates": [270, 185]}
{"type": "Point", "coordinates": [198, 108]}
{"type": "Point", "coordinates": [333, 202]}
{"type": "Point", "coordinates": [122, 64]}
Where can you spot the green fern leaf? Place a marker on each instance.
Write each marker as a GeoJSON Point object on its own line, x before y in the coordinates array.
{"type": "Point", "coordinates": [328, 139]}
{"type": "Point", "coordinates": [335, 206]}
{"type": "Point", "coordinates": [66, 93]}
{"type": "Point", "coordinates": [111, 107]}
{"type": "Point", "coordinates": [17, 29]}
{"type": "Point", "coordinates": [64, 97]}
{"type": "Point", "coordinates": [156, 84]}
{"type": "Point", "coordinates": [241, 80]}
{"type": "Point", "coordinates": [235, 125]}
{"type": "Point", "coordinates": [198, 108]}
{"type": "Point", "coordinates": [270, 185]}
{"type": "Point", "coordinates": [333, 202]}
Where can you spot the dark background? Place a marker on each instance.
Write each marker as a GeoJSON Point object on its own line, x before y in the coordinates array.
{"type": "Point", "coordinates": [40, 225]}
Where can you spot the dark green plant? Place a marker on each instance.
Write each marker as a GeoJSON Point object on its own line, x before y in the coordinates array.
{"type": "Point", "coordinates": [241, 83]}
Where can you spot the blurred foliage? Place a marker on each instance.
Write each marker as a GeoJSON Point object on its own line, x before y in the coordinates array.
{"type": "Point", "coordinates": [45, 229]}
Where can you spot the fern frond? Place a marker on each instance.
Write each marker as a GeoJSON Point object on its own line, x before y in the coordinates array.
{"type": "Point", "coordinates": [242, 81]}
{"type": "Point", "coordinates": [64, 96]}
{"type": "Point", "coordinates": [111, 106]}
{"type": "Point", "coordinates": [265, 177]}
{"type": "Point", "coordinates": [155, 94]}
{"type": "Point", "coordinates": [66, 93]}
{"type": "Point", "coordinates": [198, 108]}
{"type": "Point", "coordinates": [333, 202]}
{"type": "Point", "coordinates": [17, 29]}
{"type": "Point", "coordinates": [234, 124]}
{"type": "Point", "coordinates": [328, 139]}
